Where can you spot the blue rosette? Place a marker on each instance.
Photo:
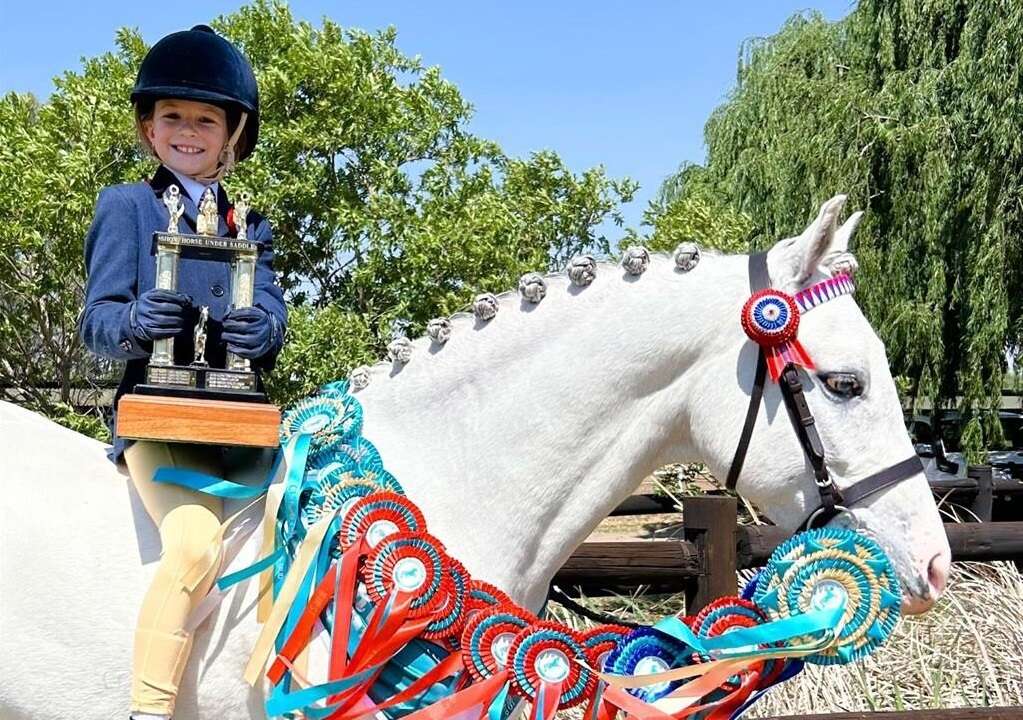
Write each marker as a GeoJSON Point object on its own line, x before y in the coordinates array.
{"type": "Point", "coordinates": [646, 651]}
{"type": "Point", "coordinates": [825, 570]}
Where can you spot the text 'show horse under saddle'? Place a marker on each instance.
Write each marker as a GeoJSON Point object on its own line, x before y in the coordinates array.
{"type": "Point", "coordinates": [394, 561]}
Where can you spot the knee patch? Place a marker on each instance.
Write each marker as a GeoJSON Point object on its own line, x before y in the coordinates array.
{"type": "Point", "coordinates": [190, 543]}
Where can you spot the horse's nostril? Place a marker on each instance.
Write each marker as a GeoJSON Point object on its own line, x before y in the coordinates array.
{"type": "Point", "coordinates": [937, 573]}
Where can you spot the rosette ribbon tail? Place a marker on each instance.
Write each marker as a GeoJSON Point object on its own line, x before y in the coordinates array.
{"type": "Point", "coordinates": [473, 703]}
{"type": "Point", "coordinates": [790, 352]}
{"type": "Point", "coordinates": [545, 705]}
{"type": "Point", "coordinates": [600, 708]}
{"type": "Point", "coordinates": [339, 581]}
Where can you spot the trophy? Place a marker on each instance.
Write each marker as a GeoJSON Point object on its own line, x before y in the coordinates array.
{"type": "Point", "coordinates": [197, 402]}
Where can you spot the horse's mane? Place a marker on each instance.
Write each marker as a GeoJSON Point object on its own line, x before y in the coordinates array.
{"type": "Point", "coordinates": [463, 319]}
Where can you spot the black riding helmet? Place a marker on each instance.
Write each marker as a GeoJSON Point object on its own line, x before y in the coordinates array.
{"type": "Point", "coordinates": [200, 65]}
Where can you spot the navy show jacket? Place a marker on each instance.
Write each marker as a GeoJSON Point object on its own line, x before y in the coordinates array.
{"type": "Point", "coordinates": [120, 259]}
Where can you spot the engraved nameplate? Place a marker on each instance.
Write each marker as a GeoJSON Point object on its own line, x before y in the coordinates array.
{"type": "Point", "coordinates": [230, 381]}
{"type": "Point", "coordinates": [170, 376]}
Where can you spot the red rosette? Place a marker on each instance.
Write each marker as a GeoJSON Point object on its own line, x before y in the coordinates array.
{"type": "Point", "coordinates": [413, 563]}
{"type": "Point", "coordinates": [487, 628]}
{"type": "Point", "coordinates": [770, 318]}
{"type": "Point", "coordinates": [600, 641]}
{"type": "Point", "coordinates": [725, 613]}
{"type": "Point", "coordinates": [229, 219]}
{"type": "Point", "coordinates": [728, 613]}
{"type": "Point", "coordinates": [451, 613]}
{"type": "Point", "coordinates": [483, 596]}
{"type": "Point", "coordinates": [380, 515]}
{"type": "Point", "coordinates": [548, 652]}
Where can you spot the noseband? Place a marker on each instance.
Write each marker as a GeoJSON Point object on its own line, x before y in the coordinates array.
{"type": "Point", "coordinates": [833, 501]}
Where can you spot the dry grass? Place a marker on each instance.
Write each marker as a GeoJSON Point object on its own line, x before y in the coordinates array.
{"type": "Point", "coordinates": [966, 652]}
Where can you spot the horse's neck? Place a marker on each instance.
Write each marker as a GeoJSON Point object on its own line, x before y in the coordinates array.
{"type": "Point", "coordinates": [518, 436]}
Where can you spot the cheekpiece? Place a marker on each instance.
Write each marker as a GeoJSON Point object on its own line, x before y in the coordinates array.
{"type": "Point", "coordinates": [485, 306]}
{"type": "Point", "coordinates": [636, 260]}
{"type": "Point", "coordinates": [533, 287]}
{"type": "Point", "coordinates": [687, 256]}
{"type": "Point", "coordinates": [582, 270]}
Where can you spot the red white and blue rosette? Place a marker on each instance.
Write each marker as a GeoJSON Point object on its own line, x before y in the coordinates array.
{"type": "Point", "coordinates": [771, 320]}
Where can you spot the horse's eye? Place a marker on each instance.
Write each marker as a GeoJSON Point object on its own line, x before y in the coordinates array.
{"type": "Point", "coordinates": [844, 385]}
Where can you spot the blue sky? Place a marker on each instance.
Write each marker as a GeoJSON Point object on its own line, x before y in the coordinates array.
{"type": "Point", "coordinates": [625, 85]}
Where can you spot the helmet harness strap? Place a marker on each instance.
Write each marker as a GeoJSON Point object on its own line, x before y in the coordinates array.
{"type": "Point", "coordinates": [226, 160]}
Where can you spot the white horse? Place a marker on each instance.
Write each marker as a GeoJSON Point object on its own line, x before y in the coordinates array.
{"type": "Point", "coordinates": [516, 438]}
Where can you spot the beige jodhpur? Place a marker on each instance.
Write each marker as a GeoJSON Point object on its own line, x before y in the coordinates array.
{"type": "Point", "coordinates": [189, 524]}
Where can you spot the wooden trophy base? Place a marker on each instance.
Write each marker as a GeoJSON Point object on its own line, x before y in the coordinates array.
{"type": "Point", "coordinates": [190, 420]}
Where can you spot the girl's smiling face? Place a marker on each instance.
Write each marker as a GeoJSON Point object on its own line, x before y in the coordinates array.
{"type": "Point", "coordinates": [187, 135]}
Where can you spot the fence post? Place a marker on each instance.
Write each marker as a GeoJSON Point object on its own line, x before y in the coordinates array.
{"type": "Point", "coordinates": [710, 523]}
{"type": "Point", "coordinates": [984, 500]}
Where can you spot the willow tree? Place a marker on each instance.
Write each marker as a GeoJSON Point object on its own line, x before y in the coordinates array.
{"type": "Point", "coordinates": [913, 109]}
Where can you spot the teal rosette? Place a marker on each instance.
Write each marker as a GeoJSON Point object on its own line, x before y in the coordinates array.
{"type": "Point", "coordinates": [825, 570]}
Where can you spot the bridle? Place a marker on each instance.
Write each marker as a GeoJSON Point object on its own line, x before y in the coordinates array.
{"type": "Point", "coordinates": [833, 500]}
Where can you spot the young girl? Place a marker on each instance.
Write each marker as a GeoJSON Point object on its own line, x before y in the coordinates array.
{"type": "Point", "coordinates": [197, 111]}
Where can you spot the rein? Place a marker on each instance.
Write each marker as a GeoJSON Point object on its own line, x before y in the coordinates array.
{"type": "Point", "coordinates": [833, 500]}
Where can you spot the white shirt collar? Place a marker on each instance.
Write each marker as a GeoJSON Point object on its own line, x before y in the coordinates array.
{"type": "Point", "coordinates": [194, 188]}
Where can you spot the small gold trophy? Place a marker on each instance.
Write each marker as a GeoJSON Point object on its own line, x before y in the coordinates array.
{"type": "Point", "coordinates": [196, 402]}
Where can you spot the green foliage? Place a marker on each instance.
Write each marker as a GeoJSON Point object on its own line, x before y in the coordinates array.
{"type": "Point", "coordinates": [386, 209]}
{"type": "Point", "coordinates": [53, 159]}
{"type": "Point", "coordinates": [690, 208]}
{"type": "Point", "coordinates": [324, 344]}
{"type": "Point", "coordinates": [91, 424]}
{"type": "Point", "coordinates": [914, 110]}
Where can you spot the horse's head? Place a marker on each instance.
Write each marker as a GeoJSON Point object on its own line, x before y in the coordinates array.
{"type": "Point", "coordinates": [852, 397]}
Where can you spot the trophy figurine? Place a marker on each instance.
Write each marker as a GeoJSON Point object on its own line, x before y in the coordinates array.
{"type": "Point", "coordinates": [181, 402]}
{"type": "Point", "coordinates": [199, 337]}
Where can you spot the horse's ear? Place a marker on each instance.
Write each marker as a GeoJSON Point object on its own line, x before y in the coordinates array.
{"type": "Point", "coordinates": [792, 261]}
{"type": "Point", "coordinates": [839, 259]}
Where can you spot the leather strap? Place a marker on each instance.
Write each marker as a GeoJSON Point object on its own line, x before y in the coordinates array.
{"type": "Point", "coordinates": [756, 395]}
{"type": "Point", "coordinates": [758, 280]}
{"type": "Point", "coordinates": [880, 480]}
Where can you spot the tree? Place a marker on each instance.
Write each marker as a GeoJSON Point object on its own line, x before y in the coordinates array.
{"type": "Point", "coordinates": [913, 109]}
{"type": "Point", "coordinates": [386, 210]}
